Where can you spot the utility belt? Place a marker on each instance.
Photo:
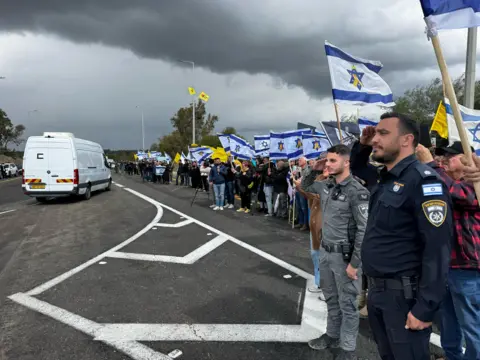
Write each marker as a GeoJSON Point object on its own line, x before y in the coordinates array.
{"type": "Point", "coordinates": [345, 249]}
{"type": "Point", "coordinates": [408, 284]}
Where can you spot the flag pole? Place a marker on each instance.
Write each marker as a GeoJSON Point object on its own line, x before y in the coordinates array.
{"type": "Point", "coordinates": [450, 92]}
{"type": "Point", "coordinates": [338, 122]}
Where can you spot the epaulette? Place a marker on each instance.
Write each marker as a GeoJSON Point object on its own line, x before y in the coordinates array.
{"type": "Point", "coordinates": [426, 171]}
{"type": "Point", "coordinates": [361, 181]}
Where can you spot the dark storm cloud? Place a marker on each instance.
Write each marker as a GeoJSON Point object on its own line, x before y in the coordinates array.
{"type": "Point", "coordinates": [215, 35]}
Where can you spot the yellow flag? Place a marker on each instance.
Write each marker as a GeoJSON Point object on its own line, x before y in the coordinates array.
{"type": "Point", "coordinates": [204, 96]}
{"type": "Point", "coordinates": [191, 91]}
{"type": "Point", "coordinates": [219, 153]}
{"type": "Point", "coordinates": [440, 121]}
{"type": "Point", "coordinates": [177, 158]}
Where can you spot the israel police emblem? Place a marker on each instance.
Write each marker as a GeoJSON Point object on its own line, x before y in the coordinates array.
{"type": "Point", "coordinates": [396, 188]}
{"type": "Point", "coordinates": [435, 211]}
{"type": "Point", "coordinates": [363, 210]}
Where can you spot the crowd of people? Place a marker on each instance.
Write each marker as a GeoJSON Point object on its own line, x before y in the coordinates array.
{"type": "Point", "coordinates": [388, 218]}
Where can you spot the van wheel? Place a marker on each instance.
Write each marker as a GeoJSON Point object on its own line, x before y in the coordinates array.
{"type": "Point", "coordinates": [88, 193]}
{"type": "Point", "coordinates": [109, 187]}
{"type": "Point", "coordinates": [41, 200]}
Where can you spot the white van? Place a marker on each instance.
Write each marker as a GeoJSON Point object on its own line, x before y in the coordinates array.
{"type": "Point", "coordinates": [58, 164]}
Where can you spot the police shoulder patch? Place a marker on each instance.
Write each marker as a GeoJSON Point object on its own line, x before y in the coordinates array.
{"type": "Point", "coordinates": [363, 210]}
{"type": "Point", "coordinates": [435, 211]}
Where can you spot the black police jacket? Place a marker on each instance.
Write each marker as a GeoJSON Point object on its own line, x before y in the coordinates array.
{"type": "Point", "coordinates": [410, 231]}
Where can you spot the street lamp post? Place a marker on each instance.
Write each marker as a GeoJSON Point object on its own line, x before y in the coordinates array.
{"type": "Point", "coordinates": [193, 100]}
{"type": "Point", "coordinates": [143, 128]}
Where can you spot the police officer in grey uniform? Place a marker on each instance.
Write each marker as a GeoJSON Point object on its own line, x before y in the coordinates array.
{"type": "Point", "coordinates": [344, 203]}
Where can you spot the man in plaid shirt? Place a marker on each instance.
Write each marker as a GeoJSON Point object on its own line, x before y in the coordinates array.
{"type": "Point", "coordinates": [460, 312]}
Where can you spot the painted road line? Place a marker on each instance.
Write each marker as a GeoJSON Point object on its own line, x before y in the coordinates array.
{"type": "Point", "coordinates": [188, 259]}
{"type": "Point", "coordinates": [177, 225]}
{"type": "Point", "coordinates": [205, 332]}
{"type": "Point", "coordinates": [313, 324]}
{"type": "Point", "coordinates": [147, 257]}
{"type": "Point", "coordinates": [49, 284]}
{"type": "Point", "coordinates": [6, 212]}
{"type": "Point", "coordinates": [205, 249]}
{"type": "Point", "coordinates": [253, 249]}
{"type": "Point", "coordinates": [132, 348]}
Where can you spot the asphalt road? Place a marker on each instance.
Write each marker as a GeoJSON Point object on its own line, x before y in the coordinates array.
{"type": "Point", "coordinates": [138, 272]}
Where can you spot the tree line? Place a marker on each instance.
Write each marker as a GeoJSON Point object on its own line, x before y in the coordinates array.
{"type": "Point", "coordinates": [420, 103]}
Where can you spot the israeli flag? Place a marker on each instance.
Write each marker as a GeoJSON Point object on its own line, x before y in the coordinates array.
{"type": "Point", "coordinates": [183, 158]}
{"type": "Point", "coordinates": [287, 145]}
{"type": "Point", "coordinates": [241, 148]}
{"type": "Point", "coordinates": [364, 122]}
{"type": "Point", "coordinates": [355, 80]}
{"type": "Point", "coordinates": [471, 122]}
{"type": "Point", "coordinates": [453, 14]}
{"type": "Point", "coordinates": [314, 145]}
{"type": "Point", "coordinates": [168, 157]}
{"type": "Point", "coordinates": [262, 145]}
{"type": "Point", "coordinates": [225, 141]}
{"type": "Point", "coordinates": [142, 155]}
{"type": "Point", "coordinates": [200, 154]}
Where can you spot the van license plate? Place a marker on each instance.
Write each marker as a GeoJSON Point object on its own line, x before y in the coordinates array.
{"type": "Point", "coordinates": [37, 187]}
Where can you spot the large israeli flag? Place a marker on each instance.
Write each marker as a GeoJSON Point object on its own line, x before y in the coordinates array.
{"type": "Point", "coordinates": [314, 145]}
{"type": "Point", "coordinates": [225, 141]}
{"type": "Point", "coordinates": [200, 154]}
{"type": "Point", "coordinates": [287, 145]}
{"type": "Point", "coordinates": [471, 122]}
{"type": "Point", "coordinates": [451, 14]}
{"type": "Point", "coordinates": [240, 148]}
{"type": "Point", "coordinates": [262, 145]}
{"type": "Point", "coordinates": [355, 80]}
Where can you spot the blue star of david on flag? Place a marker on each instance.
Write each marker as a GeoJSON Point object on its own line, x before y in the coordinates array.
{"type": "Point", "coordinates": [356, 78]}
{"type": "Point", "coordinates": [474, 132]}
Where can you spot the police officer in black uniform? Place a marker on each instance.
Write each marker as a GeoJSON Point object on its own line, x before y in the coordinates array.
{"type": "Point", "coordinates": [406, 248]}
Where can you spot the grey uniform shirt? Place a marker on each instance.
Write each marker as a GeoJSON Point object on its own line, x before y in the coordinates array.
{"type": "Point", "coordinates": [345, 215]}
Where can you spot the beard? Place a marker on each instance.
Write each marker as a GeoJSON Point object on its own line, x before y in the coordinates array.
{"type": "Point", "coordinates": [387, 157]}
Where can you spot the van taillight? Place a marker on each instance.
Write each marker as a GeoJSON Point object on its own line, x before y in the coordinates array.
{"type": "Point", "coordinates": [75, 177]}
{"type": "Point", "coordinates": [23, 176]}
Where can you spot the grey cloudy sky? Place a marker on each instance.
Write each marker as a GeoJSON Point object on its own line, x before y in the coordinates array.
{"type": "Point", "coordinates": [86, 65]}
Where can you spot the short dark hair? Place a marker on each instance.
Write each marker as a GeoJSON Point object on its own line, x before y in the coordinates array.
{"type": "Point", "coordinates": [406, 125]}
{"type": "Point", "coordinates": [339, 149]}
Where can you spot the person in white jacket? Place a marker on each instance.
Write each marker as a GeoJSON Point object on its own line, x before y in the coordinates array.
{"type": "Point", "coordinates": [204, 173]}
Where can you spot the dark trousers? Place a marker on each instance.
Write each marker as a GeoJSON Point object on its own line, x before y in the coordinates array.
{"type": "Point", "coordinates": [387, 314]}
{"type": "Point", "coordinates": [205, 183]}
{"type": "Point", "coordinates": [246, 199]}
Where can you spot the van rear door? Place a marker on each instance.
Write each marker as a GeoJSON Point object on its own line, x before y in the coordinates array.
{"type": "Point", "coordinates": [35, 166]}
{"type": "Point", "coordinates": [60, 165]}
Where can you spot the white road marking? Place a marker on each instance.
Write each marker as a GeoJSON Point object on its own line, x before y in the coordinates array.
{"type": "Point", "coordinates": [49, 284]}
{"type": "Point", "coordinates": [177, 225]}
{"type": "Point", "coordinates": [123, 336]}
{"type": "Point", "coordinates": [205, 332]}
{"type": "Point", "coordinates": [299, 302]}
{"type": "Point", "coordinates": [102, 262]}
{"type": "Point", "coordinates": [147, 257]}
{"type": "Point", "coordinates": [189, 259]}
{"type": "Point", "coordinates": [6, 212]}
{"type": "Point", "coordinates": [119, 185]}
{"type": "Point", "coordinates": [253, 249]}
{"type": "Point", "coordinates": [175, 353]}
{"type": "Point", "coordinates": [288, 276]}
{"type": "Point", "coordinates": [134, 349]}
